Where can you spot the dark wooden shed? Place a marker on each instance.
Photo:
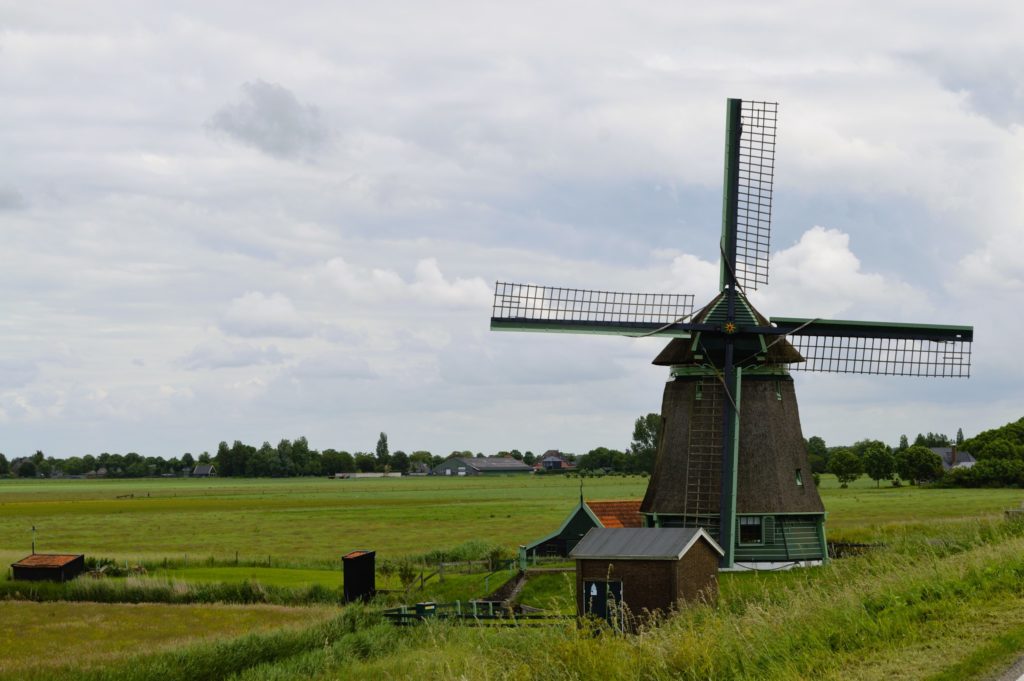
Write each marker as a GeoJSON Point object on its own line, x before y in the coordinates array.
{"type": "Point", "coordinates": [45, 567]}
{"type": "Point", "coordinates": [360, 569]}
{"type": "Point", "coordinates": [643, 570]}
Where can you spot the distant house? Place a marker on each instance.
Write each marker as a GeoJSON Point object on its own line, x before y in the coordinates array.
{"type": "Point", "coordinates": [584, 517]}
{"type": "Point", "coordinates": [952, 458]}
{"type": "Point", "coordinates": [204, 470]}
{"type": "Point", "coordinates": [552, 460]}
{"type": "Point", "coordinates": [45, 567]}
{"type": "Point", "coordinates": [494, 465]}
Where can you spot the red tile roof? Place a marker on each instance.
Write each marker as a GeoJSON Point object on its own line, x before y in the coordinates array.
{"type": "Point", "coordinates": [617, 513]}
{"type": "Point", "coordinates": [356, 554]}
{"type": "Point", "coordinates": [46, 560]}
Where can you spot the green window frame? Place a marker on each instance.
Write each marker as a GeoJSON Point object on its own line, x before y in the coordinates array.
{"type": "Point", "coordinates": [751, 529]}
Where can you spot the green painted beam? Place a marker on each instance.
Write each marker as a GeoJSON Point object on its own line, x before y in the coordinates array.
{"type": "Point", "coordinates": [845, 327]}
{"type": "Point", "coordinates": [592, 328]}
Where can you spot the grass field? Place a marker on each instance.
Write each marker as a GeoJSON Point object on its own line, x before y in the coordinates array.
{"type": "Point", "coordinates": [36, 636]}
{"type": "Point", "coordinates": [311, 522]}
{"type": "Point", "coordinates": [943, 599]}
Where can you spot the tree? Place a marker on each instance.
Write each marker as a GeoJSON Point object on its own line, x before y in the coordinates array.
{"type": "Point", "coordinates": [5, 467]}
{"type": "Point", "coordinates": [904, 443]}
{"type": "Point", "coordinates": [879, 462]}
{"type": "Point", "coordinates": [400, 462]}
{"type": "Point", "coordinates": [365, 463]}
{"type": "Point", "coordinates": [959, 436]}
{"type": "Point", "coordinates": [845, 465]}
{"type": "Point", "coordinates": [529, 458]}
{"type": "Point", "coordinates": [646, 434]}
{"type": "Point", "coordinates": [932, 440]}
{"type": "Point", "coordinates": [918, 464]}
{"type": "Point", "coordinates": [383, 457]}
{"type": "Point", "coordinates": [27, 469]}
{"type": "Point", "coordinates": [817, 454]}
{"type": "Point", "coordinates": [188, 462]}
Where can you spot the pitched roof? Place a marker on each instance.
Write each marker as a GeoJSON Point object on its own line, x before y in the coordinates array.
{"type": "Point", "coordinates": [46, 560]}
{"type": "Point", "coordinates": [646, 543]}
{"type": "Point", "coordinates": [617, 513]}
{"type": "Point", "coordinates": [203, 469]}
{"type": "Point", "coordinates": [496, 463]}
{"type": "Point", "coordinates": [946, 454]}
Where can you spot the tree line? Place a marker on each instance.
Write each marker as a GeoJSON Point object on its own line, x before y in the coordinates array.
{"type": "Point", "coordinates": [291, 458]}
{"type": "Point", "coordinates": [998, 454]}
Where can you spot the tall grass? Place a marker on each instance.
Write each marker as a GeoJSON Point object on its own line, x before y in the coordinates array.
{"type": "Point", "coordinates": [875, 616]}
{"type": "Point", "coordinates": [355, 629]}
{"type": "Point", "coordinates": [158, 590]}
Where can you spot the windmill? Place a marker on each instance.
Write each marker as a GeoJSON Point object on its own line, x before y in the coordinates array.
{"type": "Point", "coordinates": [731, 457]}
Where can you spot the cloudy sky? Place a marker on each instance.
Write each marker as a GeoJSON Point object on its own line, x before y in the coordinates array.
{"type": "Point", "coordinates": [251, 221]}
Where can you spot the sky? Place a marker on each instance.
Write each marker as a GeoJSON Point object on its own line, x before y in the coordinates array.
{"type": "Point", "coordinates": [258, 221]}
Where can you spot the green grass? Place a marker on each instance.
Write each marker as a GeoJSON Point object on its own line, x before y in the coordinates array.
{"type": "Point", "coordinates": [944, 598]}
{"type": "Point", "coordinates": [38, 637]}
{"type": "Point", "coordinates": [303, 522]}
{"type": "Point", "coordinates": [286, 577]}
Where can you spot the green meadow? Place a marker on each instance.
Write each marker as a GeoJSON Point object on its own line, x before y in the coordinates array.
{"type": "Point", "coordinates": [941, 597]}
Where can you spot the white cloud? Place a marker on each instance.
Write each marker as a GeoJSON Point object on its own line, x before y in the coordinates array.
{"type": "Point", "coordinates": [256, 314]}
{"type": "Point", "coordinates": [428, 285]}
{"type": "Point", "coordinates": [820, 276]}
{"type": "Point", "coordinates": [221, 353]}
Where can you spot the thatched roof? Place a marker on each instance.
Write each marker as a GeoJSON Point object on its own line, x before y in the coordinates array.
{"type": "Point", "coordinates": [680, 350]}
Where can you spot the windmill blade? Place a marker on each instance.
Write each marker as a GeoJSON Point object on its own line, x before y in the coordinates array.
{"type": "Point", "coordinates": [849, 347]}
{"type": "Point", "coordinates": [529, 307]}
{"type": "Point", "coordinates": [754, 191]}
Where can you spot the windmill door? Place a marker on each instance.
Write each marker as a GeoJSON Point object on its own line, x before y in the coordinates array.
{"type": "Point", "coordinates": [603, 598]}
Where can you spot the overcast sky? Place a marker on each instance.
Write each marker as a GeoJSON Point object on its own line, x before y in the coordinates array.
{"type": "Point", "coordinates": [253, 221]}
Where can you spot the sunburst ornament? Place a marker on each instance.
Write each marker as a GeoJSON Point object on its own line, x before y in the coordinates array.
{"type": "Point", "coordinates": [729, 328]}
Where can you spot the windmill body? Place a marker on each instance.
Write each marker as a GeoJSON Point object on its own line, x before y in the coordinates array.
{"type": "Point", "coordinates": [732, 457]}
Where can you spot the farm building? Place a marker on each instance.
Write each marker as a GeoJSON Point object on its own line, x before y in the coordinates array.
{"type": "Point", "coordinates": [495, 465]}
{"type": "Point", "coordinates": [204, 470]}
{"type": "Point", "coordinates": [45, 567]}
{"type": "Point", "coordinates": [953, 458]}
{"type": "Point", "coordinates": [644, 570]}
{"type": "Point", "coordinates": [553, 461]}
{"type": "Point", "coordinates": [585, 516]}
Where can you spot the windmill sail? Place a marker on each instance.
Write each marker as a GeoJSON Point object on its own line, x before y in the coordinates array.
{"type": "Point", "coordinates": [881, 348]}
{"type": "Point", "coordinates": [529, 307]}
{"type": "Point", "coordinates": [754, 191]}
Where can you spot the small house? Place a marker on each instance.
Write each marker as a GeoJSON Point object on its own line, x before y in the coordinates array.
{"type": "Point", "coordinates": [553, 461]}
{"type": "Point", "coordinates": [624, 572]}
{"type": "Point", "coordinates": [46, 567]}
{"type": "Point", "coordinates": [953, 458]}
{"type": "Point", "coordinates": [204, 470]}
{"type": "Point", "coordinates": [584, 517]}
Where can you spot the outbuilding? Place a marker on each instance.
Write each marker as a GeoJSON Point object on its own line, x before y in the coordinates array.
{"type": "Point", "coordinates": [638, 571]}
{"type": "Point", "coordinates": [492, 465]}
{"type": "Point", "coordinates": [46, 567]}
{"type": "Point", "coordinates": [586, 515]}
{"type": "Point", "coordinates": [360, 575]}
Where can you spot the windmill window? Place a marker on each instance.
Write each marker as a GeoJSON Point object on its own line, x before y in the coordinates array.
{"type": "Point", "coordinates": [751, 530]}
{"type": "Point", "coordinates": [799, 478]}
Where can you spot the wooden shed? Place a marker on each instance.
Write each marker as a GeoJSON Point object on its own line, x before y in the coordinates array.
{"type": "Point", "coordinates": [360, 568]}
{"type": "Point", "coordinates": [643, 570]}
{"type": "Point", "coordinates": [45, 567]}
